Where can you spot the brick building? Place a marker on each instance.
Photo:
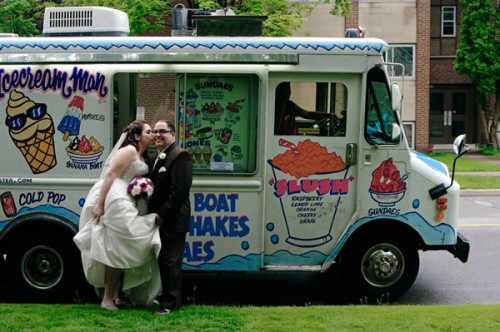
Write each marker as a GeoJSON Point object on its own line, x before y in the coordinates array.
{"type": "Point", "coordinates": [423, 34]}
{"type": "Point", "coordinates": [156, 93]}
{"type": "Point", "coordinates": [438, 104]}
{"type": "Point", "coordinates": [452, 109]}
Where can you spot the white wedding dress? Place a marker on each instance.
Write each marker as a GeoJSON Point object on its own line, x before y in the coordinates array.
{"type": "Point", "coordinates": [123, 239]}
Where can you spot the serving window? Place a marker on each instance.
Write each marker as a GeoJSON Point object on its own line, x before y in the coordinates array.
{"type": "Point", "coordinates": [310, 108]}
{"type": "Point", "coordinates": [217, 121]}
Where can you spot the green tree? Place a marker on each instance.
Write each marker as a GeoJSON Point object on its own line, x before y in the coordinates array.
{"type": "Point", "coordinates": [25, 17]}
{"type": "Point", "coordinates": [16, 17]}
{"type": "Point", "coordinates": [283, 16]}
{"type": "Point", "coordinates": [340, 7]}
{"type": "Point", "coordinates": [142, 14]}
{"type": "Point", "coordinates": [477, 56]}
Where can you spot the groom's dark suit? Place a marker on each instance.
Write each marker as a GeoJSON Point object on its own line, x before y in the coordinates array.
{"type": "Point", "coordinates": [172, 177]}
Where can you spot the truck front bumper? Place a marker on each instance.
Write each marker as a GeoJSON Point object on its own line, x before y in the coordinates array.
{"type": "Point", "coordinates": [461, 249]}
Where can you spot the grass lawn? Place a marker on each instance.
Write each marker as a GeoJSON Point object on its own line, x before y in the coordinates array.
{"type": "Point", "coordinates": [466, 164]}
{"type": "Point", "coordinates": [383, 317]}
{"type": "Point", "coordinates": [478, 182]}
{"type": "Point", "coordinates": [387, 318]}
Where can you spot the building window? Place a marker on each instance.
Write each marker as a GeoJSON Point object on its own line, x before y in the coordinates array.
{"type": "Point", "coordinates": [448, 21]}
{"type": "Point", "coordinates": [403, 54]}
{"type": "Point", "coordinates": [409, 129]}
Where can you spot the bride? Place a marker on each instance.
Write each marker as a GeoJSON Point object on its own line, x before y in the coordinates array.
{"type": "Point", "coordinates": [118, 245]}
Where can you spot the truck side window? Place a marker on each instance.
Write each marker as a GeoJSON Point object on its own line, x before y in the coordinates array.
{"type": "Point", "coordinates": [379, 114]}
{"type": "Point", "coordinates": [310, 108]}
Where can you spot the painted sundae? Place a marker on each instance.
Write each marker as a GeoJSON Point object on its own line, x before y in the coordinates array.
{"type": "Point", "coordinates": [233, 109]}
{"type": "Point", "coordinates": [387, 186]}
{"type": "Point", "coordinates": [32, 130]}
{"type": "Point", "coordinates": [212, 111]}
{"type": "Point", "coordinates": [84, 150]}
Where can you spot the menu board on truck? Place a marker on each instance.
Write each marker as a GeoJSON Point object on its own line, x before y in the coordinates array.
{"type": "Point", "coordinates": [214, 117]}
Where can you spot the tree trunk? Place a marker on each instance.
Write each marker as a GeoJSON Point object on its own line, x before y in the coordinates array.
{"type": "Point", "coordinates": [482, 114]}
{"type": "Point", "coordinates": [496, 119]}
{"type": "Point", "coordinates": [494, 108]}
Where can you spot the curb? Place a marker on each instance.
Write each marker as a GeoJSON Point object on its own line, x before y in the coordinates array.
{"type": "Point", "coordinates": [478, 173]}
{"type": "Point", "coordinates": [479, 192]}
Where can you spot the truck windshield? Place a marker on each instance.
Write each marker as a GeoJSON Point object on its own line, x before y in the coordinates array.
{"type": "Point", "coordinates": [379, 116]}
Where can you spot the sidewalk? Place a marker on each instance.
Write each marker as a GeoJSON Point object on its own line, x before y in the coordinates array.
{"type": "Point", "coordinates": [478, 173]}
{"type": "Point", "coordinates": [480, 157]}
{"type": "Point", "coordinates": [479, 192]}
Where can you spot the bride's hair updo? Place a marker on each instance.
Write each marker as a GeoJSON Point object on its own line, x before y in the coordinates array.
{"type": "Point", "coordinates": [134, 128]}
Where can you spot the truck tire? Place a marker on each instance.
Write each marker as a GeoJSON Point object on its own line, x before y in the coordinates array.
{"type": "Point", "coordinates": [380, 267]}
{"type": "Point", "coordinates": [43, 268]}
{"type": "Point", "coordinates": [2, 271]}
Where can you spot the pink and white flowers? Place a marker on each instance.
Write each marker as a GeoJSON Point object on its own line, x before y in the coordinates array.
{"type": "Point", "coordinates": [140, 187]}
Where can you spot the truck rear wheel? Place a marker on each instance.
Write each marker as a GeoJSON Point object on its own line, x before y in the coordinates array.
{"type": "Point", "coordinates": [42, 268]}
{"type": "Point", "coordinates": [380, 267]}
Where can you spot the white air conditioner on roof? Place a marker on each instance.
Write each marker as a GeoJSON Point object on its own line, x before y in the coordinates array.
{"type": "Point", "coordinates": [85, 21]}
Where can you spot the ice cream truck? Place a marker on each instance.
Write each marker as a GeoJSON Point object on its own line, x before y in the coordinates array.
{"type": "Point", "coordinates": [343, 192]}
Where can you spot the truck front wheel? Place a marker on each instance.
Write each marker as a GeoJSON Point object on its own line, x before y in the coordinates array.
{"type": "Point", "coordinates": [42, 268]}
{"type": "Point", "coordinates": [380, 268]}
{"type": "Point", "coordinates": [2, 271]}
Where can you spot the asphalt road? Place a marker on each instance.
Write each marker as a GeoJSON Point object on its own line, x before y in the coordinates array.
{"type": "Point", "coordinates": [442, 279]}
{"type": "Point", "coordinates": [445, 280]}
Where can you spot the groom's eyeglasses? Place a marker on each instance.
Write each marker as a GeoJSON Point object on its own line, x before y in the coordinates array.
{"type": "Point", "coordinates": [161, 131]}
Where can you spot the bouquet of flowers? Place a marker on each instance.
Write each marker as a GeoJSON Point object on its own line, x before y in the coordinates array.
{"type": "Point", "coordinates": [141, 188]}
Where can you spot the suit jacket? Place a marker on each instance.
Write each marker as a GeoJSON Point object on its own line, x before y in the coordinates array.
{"type": "Point", "coordinates": [170, 197]}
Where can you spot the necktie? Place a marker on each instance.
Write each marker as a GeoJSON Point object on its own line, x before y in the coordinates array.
{"type": "Point", "coordinates": [156, 160]}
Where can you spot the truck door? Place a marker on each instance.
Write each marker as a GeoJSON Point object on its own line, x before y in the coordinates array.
{"type": "Point", "coordinates": [217, 116]}
{"type": "Point", "coordinates": [310, 195]}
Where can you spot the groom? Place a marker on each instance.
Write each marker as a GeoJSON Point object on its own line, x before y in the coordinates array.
{"type": "Point", "coordinates": [171, 171]}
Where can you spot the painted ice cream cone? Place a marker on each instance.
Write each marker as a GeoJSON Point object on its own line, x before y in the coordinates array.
{"type": "Point", "coordinates": [32, 130]}
{"type": "Point", "coordinates": [197, 153]}
{"type": "Point", "coordinates": [207, 153]}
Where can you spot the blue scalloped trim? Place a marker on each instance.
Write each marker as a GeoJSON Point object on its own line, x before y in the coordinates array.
{"type": "Point", "coordinates": [168, 44]}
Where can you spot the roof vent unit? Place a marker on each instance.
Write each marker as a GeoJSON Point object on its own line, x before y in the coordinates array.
{"type": "Point", "coordinates": [358, 32]}
{"type": "Point", "coordinates": [84, 21]}
{"type": "Point", "coordinates": [182, 20]}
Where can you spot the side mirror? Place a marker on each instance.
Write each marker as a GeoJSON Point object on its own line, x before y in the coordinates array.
{"type": "Point", "coordinates": [459, 144]}
{"type": "Point", "coordinates": [396, 97]}
{"type": "Point", "coordinates": [459, 148]}
{"type": "Point", "coordinates": [396, 132]}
